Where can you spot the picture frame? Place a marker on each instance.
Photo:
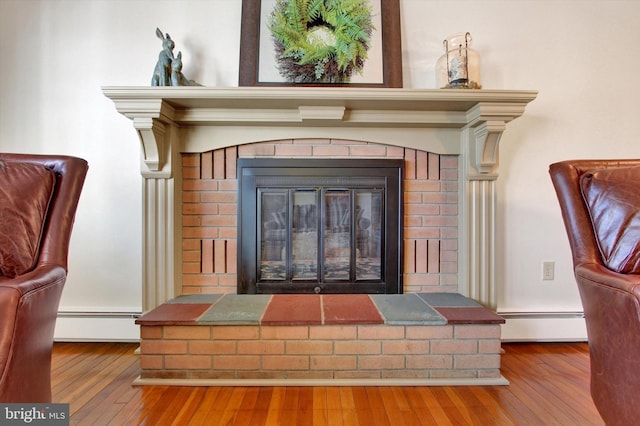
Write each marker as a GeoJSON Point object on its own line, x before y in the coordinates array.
{"type": "Point", "coordinates": [383, 67]}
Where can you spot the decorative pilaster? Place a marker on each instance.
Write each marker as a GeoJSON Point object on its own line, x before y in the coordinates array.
{"type": "Point", "coordinates": [479, 154]}
{"type": "Point", "coordinates": [153, 120]}
{"type": "Point", "coordinates": [161, 219]}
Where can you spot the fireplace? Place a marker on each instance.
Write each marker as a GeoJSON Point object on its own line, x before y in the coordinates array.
{"type": "Point", "coordinates": [177, 124]}
{"type": "Point", "coordinates": [312, 226]}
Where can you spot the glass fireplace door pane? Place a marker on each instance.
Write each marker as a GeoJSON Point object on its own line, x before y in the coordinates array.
{"type": "Point", "coordinates": [368, 221]}
{"type": "Point", "coordinates": [337, 235]}
{"type": "Point", "coordinates": [273, 231]}
{"type": "Point", "coordinates": [305, 235]}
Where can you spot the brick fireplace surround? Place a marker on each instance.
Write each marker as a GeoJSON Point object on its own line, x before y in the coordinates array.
{"type": "Point", "coordinates": [209, 214]}
{"type": "Point", "coordinates": [191, 139]}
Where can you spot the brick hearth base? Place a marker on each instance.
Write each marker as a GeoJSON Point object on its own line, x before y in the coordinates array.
{"type": "Point", "coordinates": [419, 339]}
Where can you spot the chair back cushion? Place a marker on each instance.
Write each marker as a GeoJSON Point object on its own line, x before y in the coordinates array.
{"type": "Point", "coordinates": [26, 190]}
{"type": "Point", "coordinates": [612, 197]}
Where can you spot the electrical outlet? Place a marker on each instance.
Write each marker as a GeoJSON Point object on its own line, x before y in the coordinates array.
{"type": "Point", "coordinates": [548, 269]}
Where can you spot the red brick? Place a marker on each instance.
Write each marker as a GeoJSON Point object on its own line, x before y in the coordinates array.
{"type": "Point", "coordinates": [309, 347]}
{"type": "Point", "coordinates": [381, 362]}
{"type": "Point", "coordinates": [231, 156]}
{"type": "Point", "coordinates": [429, 332]}
{"type": "Point", "coordinates": [219, 220]}
{"type": "Point", "coordinates": [358, 347]}
{"type": "Point", "coordinates": [395, 151]}
{"type": "Point", "coordinates": [285, 362]}
{"type": "Point", "coordinates": [420, 233]}
{"type": "Point", "coordinates": [152, 362]}
{"type": "Point", "coordinates": [189, 362]}
{"type": "Point", "coordinates": [236, 362]}
{"type": "Point", "coordinates": [212, 347]}
{"type": "Point", "coordinates": [409, 256]}
{"type": "Point", "coordinates": [454, 347]}
{"type": "Point", "coordinates": [206, 165]}
{"type": "Point", "coordinates": [449, 162]}
{"type": "Point", "coordinates": [334, 362]}
{"type": "Point", "coordinates": [236, 332]}
{"type": "Point", "coordinates": [430, 361]}
{"type": "Point", "coordinates": [261, 347]}
{"type": "Point", "coordinates": [421, 256]}
{"type": "Point", "coordinates": [476, 361]}
{"type": "Point", "coordinates": [232, 256]}
{"type": "Point", "coordinates": [367, 151]}
{"type": "Point", "coordinates": [422, 165]}
{"type": "Point", "coordinates": [162, 347]}
{"type": "Point", "coordinates": [219, 163]}
{"type": "Point", "coordinates": [200, 209]}
{"type": "Point", "coordinates": [219, 197]}
{"type": "Point", "coordinates": [477, 331]}
{"type": "Point", "coordinates": [382, 332]}
{"type": "Point", "coordinates": [150, 332]}
{"type": "Point", "coordinates": [434, 166]}
{"type": "Point", "coordinates": [409, 163]}
{"type": "Point", "coordinates": [206, 257]}
{"type": "Point", "coordinates": [422, 186]}
{"type": "Point", "coordinates": [190, 160]}
{"type": "Point", "coordinates": [294, 150]}
{"type": "Point", "coordinates": [192, 332]}
{"type": "Point", "coordinates": [256, 150]}
{"type": "Point", "coordinates": [433, 256]}
{"type": "Point", "coordinates": [331, 151]}
{"type": "Point", "coordinates": [220, 253]}
{"type": "Point", "coordinates": [333, 332]}
{"type": "Point", "coordinates": [405, 347]}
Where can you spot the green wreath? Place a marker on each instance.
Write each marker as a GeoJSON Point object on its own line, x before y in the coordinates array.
{"type": "Point", "coordinates": [321, 41]}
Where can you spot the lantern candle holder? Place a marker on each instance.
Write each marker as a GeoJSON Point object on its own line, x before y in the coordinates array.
{"type": "Point", "coordinates": [459, 67]}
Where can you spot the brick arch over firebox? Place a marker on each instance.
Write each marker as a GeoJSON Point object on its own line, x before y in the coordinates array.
{"type": "Point", "coordinates": [209, 210]}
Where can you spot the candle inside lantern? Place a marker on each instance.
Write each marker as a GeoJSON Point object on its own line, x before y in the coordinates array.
{"type": "Point", "coordinates": [459, 67]}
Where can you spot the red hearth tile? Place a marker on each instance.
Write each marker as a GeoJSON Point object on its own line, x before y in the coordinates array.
{"type": "Point", "coordinates": [467, 315]}
{"type": "Point", "coordinates": [293, 309]}
{"type": "Point", "coordinates": [350, 309]}
{"type": "Point", "coordinates": [174, 314]}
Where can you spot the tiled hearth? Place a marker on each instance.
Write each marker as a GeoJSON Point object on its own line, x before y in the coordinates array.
{"type": "Point", "coordinates": [427, 338]}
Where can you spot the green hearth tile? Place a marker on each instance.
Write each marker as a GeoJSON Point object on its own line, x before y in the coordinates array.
{"type": "Point", "coordinates": [406, 309]}
{"type": "Point", "coordinates": [467, 315]}
{"type": "Point", "coordinates": [196, 298]}
{"type": "Point", "coordinates": [237, 309]}
{"type": "Point", "coordinates": [448, 299]}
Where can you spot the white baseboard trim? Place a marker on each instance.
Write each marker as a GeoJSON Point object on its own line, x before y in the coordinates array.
{"type": "Point", "coordinates": [496, 381]}
{"type": "Point", "coordinates": [543, 327]}
{"type": "Point", "coordinates": [97, 327]}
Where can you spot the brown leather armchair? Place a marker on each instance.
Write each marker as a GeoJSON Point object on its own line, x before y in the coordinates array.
{"type": "Point", "coordinates": [600, 204]}
{"type": "Point", "coordinates": [38, 200]}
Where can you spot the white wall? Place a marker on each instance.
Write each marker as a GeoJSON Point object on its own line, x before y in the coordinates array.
{"type": "Point", "coordinates": [55, 55]}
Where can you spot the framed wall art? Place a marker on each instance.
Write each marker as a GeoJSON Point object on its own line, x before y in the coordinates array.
{"type": "Point", "coordinates": [320, 42]}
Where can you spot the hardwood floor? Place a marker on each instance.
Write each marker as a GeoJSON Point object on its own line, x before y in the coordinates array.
{"type": "Point", "coordinates": [549, 385]}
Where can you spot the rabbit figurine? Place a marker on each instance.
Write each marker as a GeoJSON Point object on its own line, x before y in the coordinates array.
{"type": "Point", "coordinates": [177, 78]}
{"type": "Point", "coordinates": [162, 72]}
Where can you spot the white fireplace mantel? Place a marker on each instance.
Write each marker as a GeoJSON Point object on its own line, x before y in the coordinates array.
{"type": "Point", "coordinates": [170, 120]}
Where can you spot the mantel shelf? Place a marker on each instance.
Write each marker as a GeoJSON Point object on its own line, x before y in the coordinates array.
{"type": "Point", "coordinates": [351, 106]}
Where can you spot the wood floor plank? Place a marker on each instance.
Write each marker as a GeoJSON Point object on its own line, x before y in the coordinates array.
{"type": "Point", "coordinates": [549, 384]}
